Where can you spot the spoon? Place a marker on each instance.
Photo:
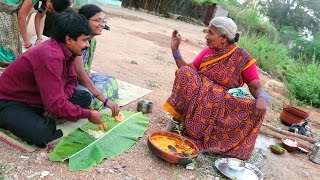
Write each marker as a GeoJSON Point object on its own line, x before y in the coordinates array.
{"type": "Point", "coordinates": [172, 149]}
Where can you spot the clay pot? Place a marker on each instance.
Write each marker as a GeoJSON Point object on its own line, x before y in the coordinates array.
{"type": "Point", "coordinates": [295, 111]}
{"type": "Point", "coordinates": [170, 157]}
{"type": "Point", "coordinates": [303, 148]}
{"type": "Point", "coordinates": [288, 118]}
{"type": "Point", "coordinates": [289, 144]}
{"type": "Point", "coordinates": [276, 151]}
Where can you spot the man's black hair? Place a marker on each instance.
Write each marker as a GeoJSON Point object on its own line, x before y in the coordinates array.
{"type": "Point", "coordinates": [70, 24]}
{"type": "Point", "coordinates": [50, 20]}
{"type": "Point", "coordinates": [60, 5]}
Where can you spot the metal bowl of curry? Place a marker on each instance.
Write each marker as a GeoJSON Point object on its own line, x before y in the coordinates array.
{"type": "Point", "coordinates": [172, 147]}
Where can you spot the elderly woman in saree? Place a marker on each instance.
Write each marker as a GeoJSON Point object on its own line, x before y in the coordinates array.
{"type": "Point", "coordinates": [104, 89]}
{"type": "Point", "coordinates": [200, 101]}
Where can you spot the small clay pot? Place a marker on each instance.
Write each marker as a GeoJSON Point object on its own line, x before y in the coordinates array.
{"type": "Point", "coordinates": [289, 144]}
{"type": "Point", "coordinates": [276, 151]}
{"type": "Point", "coordinates": [296, 111]}
{"type": "Point", "coordinates": [288, 118]}
{"type": "Point", "coordinates": [303, 148]}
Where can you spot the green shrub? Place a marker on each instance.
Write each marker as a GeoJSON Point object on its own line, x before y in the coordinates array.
{"type": "Point", "coordinates": [302, 81]}
{"type": "Point", "coordinates": [270, 56]}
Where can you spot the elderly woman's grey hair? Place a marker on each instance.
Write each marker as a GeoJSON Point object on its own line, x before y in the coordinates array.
{"type": "Point", "coordinates": [226, 27]}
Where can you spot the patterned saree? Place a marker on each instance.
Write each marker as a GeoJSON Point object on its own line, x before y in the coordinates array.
{"type": "Point", "coordinates": [210, 116]}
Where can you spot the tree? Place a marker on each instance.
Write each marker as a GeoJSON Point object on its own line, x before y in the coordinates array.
{"type": "Point", "coordinates": [302, 15]}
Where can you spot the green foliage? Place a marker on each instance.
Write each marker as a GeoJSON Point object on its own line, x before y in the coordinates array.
{"type": "Point", "coordinates": [306, 51]}
{"type": "Point", "coordinates": [271, 56]}
{"type": "Point", "coordinates": [249, 21]}
{"type": "Point", "coordinates": [2, 172]}
{"type": "Point", "coordinates": [302, 81]}
{"type": "Point", "coordinates": [288, 34]}
{"type": "Point", "coordinates": [208, 1]}
{"type": "Point", "coordinates": [301, 15]}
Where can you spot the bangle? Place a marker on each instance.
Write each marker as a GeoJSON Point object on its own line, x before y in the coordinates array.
{"type": "Point", "coordinates": [105, 102]}
{"type": "Point", "coordinates": [265, 96]}
{"type": "Point", "coordinates": [27, 45]}
{"type": "Point", "coordinates": [176, 55]}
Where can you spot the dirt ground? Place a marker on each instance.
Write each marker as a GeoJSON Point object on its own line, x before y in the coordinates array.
{"type": "Point", "coordinates": [137, 50]}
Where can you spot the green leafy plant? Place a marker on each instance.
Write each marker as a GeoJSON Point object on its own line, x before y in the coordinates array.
{"type": "Point", "coordinates": [302, 81]}
{"type": "Point", "coordinates": [279, 148]}
{"type": "Point", "coordinates": [271, 56]}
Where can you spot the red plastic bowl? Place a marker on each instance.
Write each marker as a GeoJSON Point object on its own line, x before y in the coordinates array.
{"type": "Point", "coordinates": [296, 111]}
{"type": "Point", "coordinates": [169, 156]}
{"type": "Point", "coordinates": [288, 118]}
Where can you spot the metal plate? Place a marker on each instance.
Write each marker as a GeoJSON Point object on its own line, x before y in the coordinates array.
{"type": "Point", "coordinates": [250, 172]}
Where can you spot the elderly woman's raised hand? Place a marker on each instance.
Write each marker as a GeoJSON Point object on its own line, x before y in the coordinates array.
{"type": "Point", "coordinates": [175, 41]}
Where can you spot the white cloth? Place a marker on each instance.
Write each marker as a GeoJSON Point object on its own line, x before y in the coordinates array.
{"type": "Point", "coordinates": [227, 24]}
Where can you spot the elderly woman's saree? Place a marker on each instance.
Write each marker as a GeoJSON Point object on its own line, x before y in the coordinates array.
{"type": "Point", "coordinates": [212, 117]}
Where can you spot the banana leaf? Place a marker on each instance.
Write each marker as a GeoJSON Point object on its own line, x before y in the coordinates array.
{"type": "Point", "coordinates": [84, 151]}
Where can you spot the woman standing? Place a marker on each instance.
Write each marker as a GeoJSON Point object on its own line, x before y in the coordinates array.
{"type": "Point", "coordinates": [13, 15]}
{"type": "Point", "coordinates": [211, 116]}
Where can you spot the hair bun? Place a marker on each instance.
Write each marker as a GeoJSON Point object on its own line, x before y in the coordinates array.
{"type": "Point", "coordinates": [237, 37]}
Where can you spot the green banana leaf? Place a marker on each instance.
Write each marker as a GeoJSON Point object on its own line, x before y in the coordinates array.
{"type": "Point", "coordinates": [84, 151]}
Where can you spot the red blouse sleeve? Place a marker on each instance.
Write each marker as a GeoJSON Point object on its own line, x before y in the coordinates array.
{"type": "Point", "coordinates": [204, 53]}
{"type": "Point", "coordinates": [251, 73]}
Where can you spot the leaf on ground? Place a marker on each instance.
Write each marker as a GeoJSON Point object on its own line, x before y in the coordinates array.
{"type": "Point", "coordinates": [84, 151]}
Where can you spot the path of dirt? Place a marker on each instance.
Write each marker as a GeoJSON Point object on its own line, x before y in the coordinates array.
{"type": "Point", "coordinates": [136, 50]}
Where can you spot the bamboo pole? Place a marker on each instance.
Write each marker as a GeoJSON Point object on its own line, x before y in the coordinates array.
{"type": "Point", "coordinates": [288, 133]}
{"type": "Point", "coordinates": [268, 132]}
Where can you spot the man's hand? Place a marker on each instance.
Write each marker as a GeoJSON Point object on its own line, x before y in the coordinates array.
{"type": "Point", "coordinates": [95, 117]}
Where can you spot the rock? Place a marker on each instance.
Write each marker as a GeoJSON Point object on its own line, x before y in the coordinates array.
{"type": "Point", "coordinates": [100, 170]}
{"type": "Point", "coordinates": [24, 157]}
{"type": "Point", "coordinates": [190, 166]}
{"type": "Point", "coordinates": [44, 174]}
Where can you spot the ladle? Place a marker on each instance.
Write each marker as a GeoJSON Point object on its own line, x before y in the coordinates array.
{"type": "Point", "coordinates": [174, 150]}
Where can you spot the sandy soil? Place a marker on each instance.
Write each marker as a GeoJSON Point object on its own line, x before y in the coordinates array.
{"type": "Point", "coordinates": [137, 50]}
